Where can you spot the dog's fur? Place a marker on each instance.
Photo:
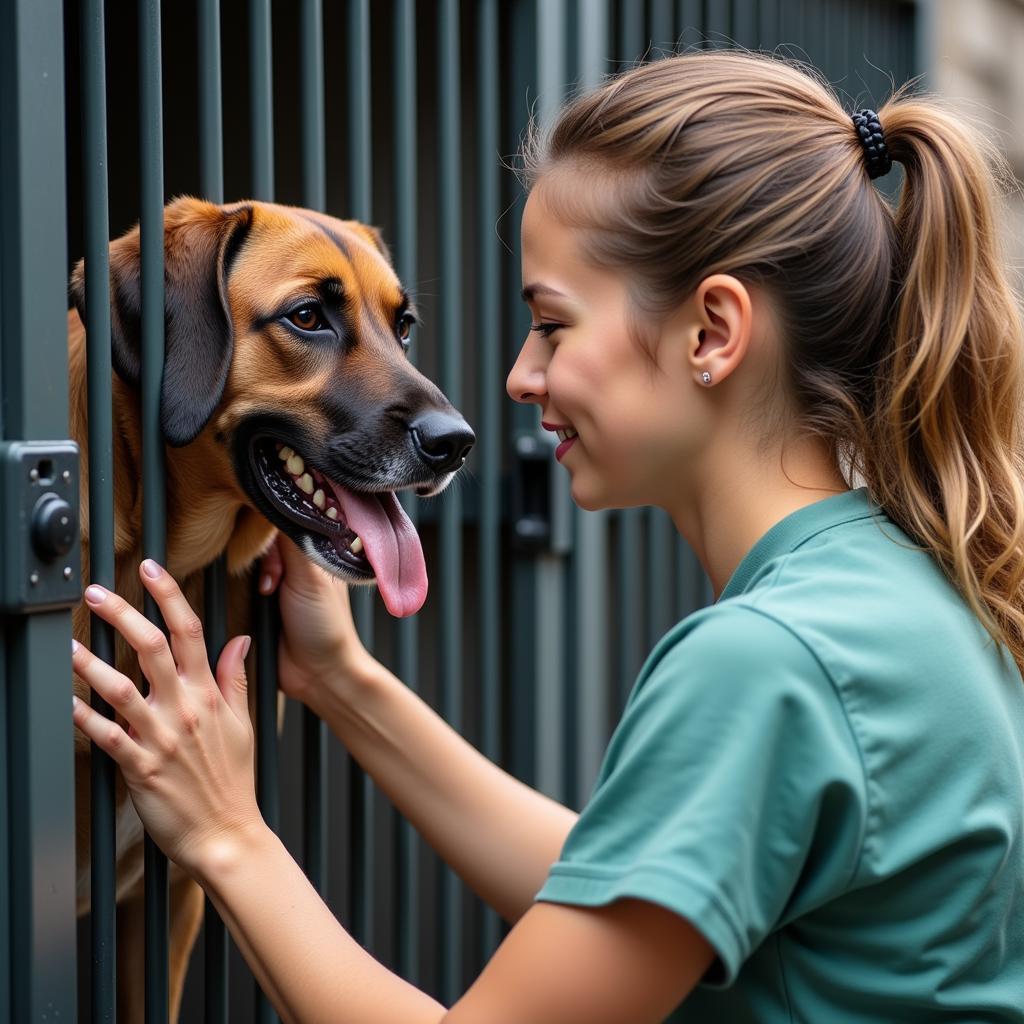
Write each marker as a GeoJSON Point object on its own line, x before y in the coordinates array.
{"type": "Point", "coordinates": [234, 371]}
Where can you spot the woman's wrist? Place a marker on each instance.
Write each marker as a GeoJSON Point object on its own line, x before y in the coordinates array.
{"type": "Point", "coordinates": [353, 681]}
{"type": "Point", "coordinates": [221, 856]}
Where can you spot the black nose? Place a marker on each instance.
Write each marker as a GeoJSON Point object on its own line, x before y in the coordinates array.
{"type": "Point", "coordinates": [442, 439]}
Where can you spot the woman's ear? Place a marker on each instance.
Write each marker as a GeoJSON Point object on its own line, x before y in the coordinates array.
{"type": "Point", "coordinates": [722, 335]}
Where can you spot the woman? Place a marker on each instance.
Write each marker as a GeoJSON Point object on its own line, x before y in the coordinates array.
{"type": "Point", "coordinates": [812, 807]}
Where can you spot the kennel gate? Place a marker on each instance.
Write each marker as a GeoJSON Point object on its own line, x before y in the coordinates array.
{"type": "Point", "coordinates": [428, 96]}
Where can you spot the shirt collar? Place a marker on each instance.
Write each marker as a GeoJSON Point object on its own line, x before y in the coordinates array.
{"type": "Point", "coordinates": [796, 528]}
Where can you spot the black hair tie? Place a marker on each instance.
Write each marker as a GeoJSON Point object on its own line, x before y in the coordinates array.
{"type": "Point", "coordinates": [869, 130]}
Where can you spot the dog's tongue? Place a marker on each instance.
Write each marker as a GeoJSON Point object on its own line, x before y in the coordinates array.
{"type": "Point", "coordinates": [391, 546]}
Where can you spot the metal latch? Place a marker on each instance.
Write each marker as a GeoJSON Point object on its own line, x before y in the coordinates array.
{"type": "Point", "coordinates": [40, 553]}
{"type": "Point", "coordinates": [541, 502]}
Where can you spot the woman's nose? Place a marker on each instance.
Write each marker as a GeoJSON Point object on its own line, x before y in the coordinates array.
{"type": "Point", "coordinates": [527, 379]}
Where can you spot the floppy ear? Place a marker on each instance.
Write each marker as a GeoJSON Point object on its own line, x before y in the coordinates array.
{"type": "Point", "coordinates": [200, 241]}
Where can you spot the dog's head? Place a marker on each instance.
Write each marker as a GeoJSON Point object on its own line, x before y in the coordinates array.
{"type": "Point", "coordinates": [286, 333]}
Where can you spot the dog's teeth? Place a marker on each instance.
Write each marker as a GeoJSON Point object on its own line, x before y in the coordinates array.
{"type": "Point", "coordinates": [285, 453]}
{"type": "Point", "coordinates": [295, 465]}
{"type": "Point", "coordinates": [319, 500]}
{"type": "Point", "coordinates": [356, 546]}
{"type": "Point", "coordinates": [305, 483]}
{"type": "Point", "coordinates": [332, 512]}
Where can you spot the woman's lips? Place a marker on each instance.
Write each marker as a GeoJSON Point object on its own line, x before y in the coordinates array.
{"type": "Point", "coordinates": [564, 447]}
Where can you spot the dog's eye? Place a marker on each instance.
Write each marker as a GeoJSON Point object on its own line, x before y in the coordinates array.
{"type": "Point", "coordinates": [405, 322]}
{"type": "Point", "coordinates": [307, 318]}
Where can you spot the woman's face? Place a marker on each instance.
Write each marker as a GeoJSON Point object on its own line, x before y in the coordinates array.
{"type": "Point", "coordinates": [631, 422]}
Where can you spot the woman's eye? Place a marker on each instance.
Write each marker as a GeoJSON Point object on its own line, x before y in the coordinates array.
{"type": "Point", "coordinates": [307, 318]}
{"type": "Point", "coordinates": [545, 330]}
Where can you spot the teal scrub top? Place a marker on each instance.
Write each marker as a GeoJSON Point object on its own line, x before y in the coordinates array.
{"type": "Point", "coordinates": [824, 773]}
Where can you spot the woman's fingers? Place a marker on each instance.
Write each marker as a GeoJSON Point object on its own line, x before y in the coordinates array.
{"type": "Point", "coordinates": [184, 626]}
{"type": "Point", "coordinates": [146, 638]}
{"type": "Point", "coordinates": [107, 735]}
{"type": "Point", "coordinates": [116, 689]}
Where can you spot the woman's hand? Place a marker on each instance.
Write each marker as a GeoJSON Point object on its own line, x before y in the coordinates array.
{"type": "Point", "coordinates": [320, 648]}
{"type": "Point", "coordinates": [186, 750]}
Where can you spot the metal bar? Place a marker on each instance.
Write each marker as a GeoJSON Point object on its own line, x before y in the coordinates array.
{"type": "Point", "coordinates": [37, 814]}
{"type": "Point", "coordinates": [591, 679]}
{"type": "Point", "coordinates": [262, 100]}
{"type": "Point", "coordinates": [631, 41]}
{"type": "Point", "coordinates": [6, 876]}
{"type": "Point", "coordinates": [524, 661]}
{"type": "Point", "coordinates": [744, 17]}
{"type": "Point", "coordinates": [314, 195]}
{"type": "Point", "coordinates": [812, 36]}
{"type": "Point", "coordinates": [662, 31]}
{"type": "Point", "coordinates": [406, 922]}
{"type": "Point", "coordinates": [267, 632]}
{"type": "Point", "coordinates": [101, 494]}
{"type": "Point", "coordinates": [261, 112]}
{"type": "Point", "coordinates": [790, 19]}
{"type": "Point", "coordinates": [768, 22]}
{"type": "Point", "coordinates": [659, 595]}
{"type": "Point", "coordinates": [211, 117]}
{"type": "Point", "coordinates": [450, 269]}
{"type": "Point", "coordinates": [548, 599]}
{"type": "Point", "coordinates": [628, 596]}
{"type": "Point", "coordinates": [359, 159]}
{"type": "Point", "coordinates": [211, 178]}
{"type": "Point", "coordinates": [694, 588]}
{"type": "Point", "coordinates": [360, 153]}
{"type": "Point", "coordinates": [827, 62]}
{"type": "Point", "coordinates": [842, 48]}
{"type": "Point", "coordinates": [154, 507]}
{"type": "Point", "coordinates": [718, 25]}
{"type": "Point", "coordinates": [215, 938]}
{"type": "Point", "coordinates": [311, 58]}
{"type": "Point", "coordinates": [314, 791]}
{"type": "Point", "coordinates": [680, 568]}
{"type": "Point", "coordinates": [489, 432]}
{"type": "Point", "coordinates": [690, 16]}
{"type": "Point", "coordinates": [629, 621]}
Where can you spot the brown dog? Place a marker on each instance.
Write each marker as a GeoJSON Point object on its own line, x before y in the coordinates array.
{"type": "Point", "coordinates": [287, 403]}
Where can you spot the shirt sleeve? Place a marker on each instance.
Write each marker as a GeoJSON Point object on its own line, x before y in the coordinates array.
{"type": "Point", "coordinates": [732, 791]}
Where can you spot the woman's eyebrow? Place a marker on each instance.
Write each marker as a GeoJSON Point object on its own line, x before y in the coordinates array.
{"type": "Point", "coordinates": [541, 289]}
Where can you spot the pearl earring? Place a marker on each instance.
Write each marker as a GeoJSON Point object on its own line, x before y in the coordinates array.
{"type": "Point", "coordinates": [706, 377]}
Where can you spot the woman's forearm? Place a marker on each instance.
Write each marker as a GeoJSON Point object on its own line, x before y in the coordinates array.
{"type": "Point", "coordinates": [497, 834]}
{"type": "Point", "coordinates": [311, 969]}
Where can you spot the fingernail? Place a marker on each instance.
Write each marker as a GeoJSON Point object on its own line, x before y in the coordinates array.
{"type": "Point", "coordinates": [265, 584]}
{"type": "Point", "coordinates": [95, 594]}
{"type": "Point", "coordinates": [74, 645]}
{"type": "Point", "coordinates": [151, 569]}
{"type": "Point", "coordinates": [246, 646]}
{"type": "Point", "coordinates": [74, 702]}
